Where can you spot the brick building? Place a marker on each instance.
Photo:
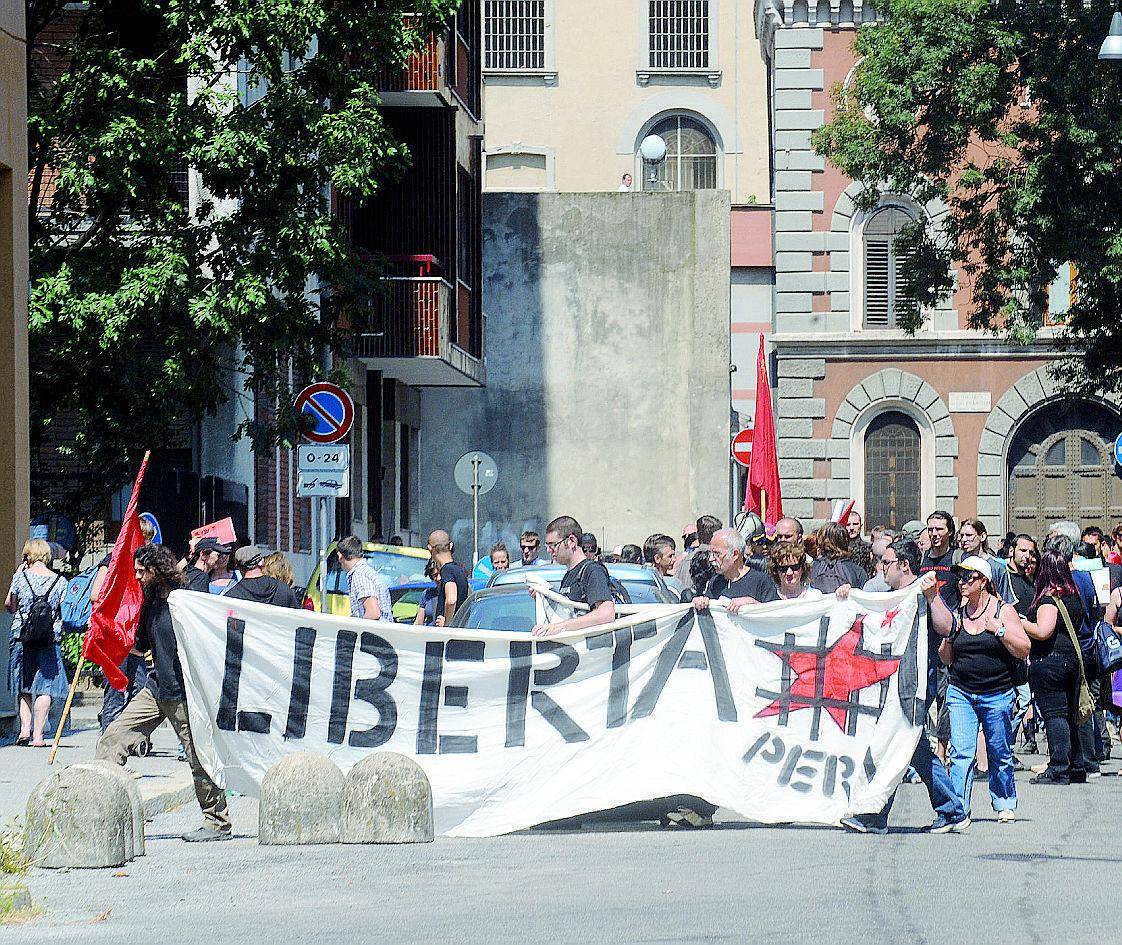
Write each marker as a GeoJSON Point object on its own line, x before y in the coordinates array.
{"type": "Point", "coordinates": [947, 418]}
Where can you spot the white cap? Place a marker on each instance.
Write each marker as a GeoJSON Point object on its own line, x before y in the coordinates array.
{"type": "Point", "coordinates": [975, 563]}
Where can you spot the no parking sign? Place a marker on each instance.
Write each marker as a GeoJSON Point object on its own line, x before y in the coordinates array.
{"type": "Point", "coordinates": [331, 409]}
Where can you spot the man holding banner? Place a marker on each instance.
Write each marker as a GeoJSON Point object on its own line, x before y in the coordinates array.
{"type": "Point", "coordinates": [901, 562]}
{"type": "Point", "coordinates": [586, 581]}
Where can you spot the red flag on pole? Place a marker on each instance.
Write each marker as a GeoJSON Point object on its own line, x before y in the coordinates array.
{"type": "Point", "coordinates": [113, 621]}
{"type": "Point", "coordinates": [762, 493]}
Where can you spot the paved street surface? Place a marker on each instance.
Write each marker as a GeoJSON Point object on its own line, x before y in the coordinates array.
{"type": "Point", "coordinates": [739, 882]}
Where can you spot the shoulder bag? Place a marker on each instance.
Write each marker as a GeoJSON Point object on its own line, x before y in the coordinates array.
{"type": "Point", "coordinates": [1086, 703]}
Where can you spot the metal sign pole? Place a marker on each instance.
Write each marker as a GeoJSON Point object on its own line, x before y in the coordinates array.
{"type": "Point", "coordinates": [475, 462]}
{"type": "Point", "coordinates": [321, 534]}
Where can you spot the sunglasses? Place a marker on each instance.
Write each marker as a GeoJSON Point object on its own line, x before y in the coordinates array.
{"type": "Point", "coordinates": [791, 568]}
{"type": "Point", "coordinates": [967, 578]}
{"type": "Point", "coordinates": [529, 547]}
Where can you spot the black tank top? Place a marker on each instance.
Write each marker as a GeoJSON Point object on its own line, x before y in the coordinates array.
{"type": "Point", "coordinates": [981, 664]}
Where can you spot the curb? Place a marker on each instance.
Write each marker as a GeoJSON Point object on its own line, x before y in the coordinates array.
{"type": "Point", "coordinates": [169, 794]}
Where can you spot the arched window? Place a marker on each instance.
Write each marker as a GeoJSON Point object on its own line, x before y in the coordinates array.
{"type": "Point", "coordinates": [886, 295]}
{"type": "Point", "coordinates": [691, 156]}
{"type": "Point", "coordinates": [892, 470]}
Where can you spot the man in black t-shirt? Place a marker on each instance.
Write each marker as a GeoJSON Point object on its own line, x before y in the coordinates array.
{"type": "Point", "coordinates": [255, 584]}
{"type": "Point", "coordinates": [735, 581]}
{"type": "Point", "coordinates": [1024, 547]}
{"type": "Point", "coordinates": [586, 581]}
{"type": "Point", "coordinates": [451, 580]}
{"type": "Point", "coordinates": [941, 556]}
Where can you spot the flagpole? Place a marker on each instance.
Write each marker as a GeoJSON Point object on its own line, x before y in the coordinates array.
{"type": "Point", "coordinates": [66, 708]}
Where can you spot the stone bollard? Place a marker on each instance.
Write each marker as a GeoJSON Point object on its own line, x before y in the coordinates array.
{"type": "Point", "coordinates": [79, 817]}
{"type": "Point", "coordinates": [136, 802]}
{"type": "Point", "coordinates": [387, 799]}
{"type": "Point", "coordinates": [301, 801]}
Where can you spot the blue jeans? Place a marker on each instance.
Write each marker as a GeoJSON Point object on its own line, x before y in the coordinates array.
{"type": "Point", "coordinates": [994, 712]}
{"type": "Point", "coordinates": [935, 778]}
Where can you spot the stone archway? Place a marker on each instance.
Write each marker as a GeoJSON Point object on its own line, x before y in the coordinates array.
{"type": "Point", "coordinates": [1032, 393]}
{"type": "Point", "coordinates": [886, 390]}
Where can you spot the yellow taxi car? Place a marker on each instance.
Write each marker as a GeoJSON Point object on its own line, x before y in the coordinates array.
{"type": "Point", "coordinates": [399, 565]}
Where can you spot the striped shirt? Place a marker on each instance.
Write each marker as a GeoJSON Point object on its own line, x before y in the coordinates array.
{"type": "Point", "coordinates": [366, 582]}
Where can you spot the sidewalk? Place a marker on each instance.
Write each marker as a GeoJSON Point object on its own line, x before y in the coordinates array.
{"type": "Point", "coordinates": [164, 782]}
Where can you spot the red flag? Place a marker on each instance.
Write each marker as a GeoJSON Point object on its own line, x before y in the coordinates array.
{"type": "Point", "coordinates": [113, 621]}
{"type": "Point", "coordinates": [762, 493]}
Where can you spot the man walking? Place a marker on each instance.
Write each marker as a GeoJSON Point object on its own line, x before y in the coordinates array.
{"type": "Point", "coordinates": [901, 569]}
{"type": "Point", "coordinates": [370, 596]}
{"type": "Point", "coordinates": [451, 580]}
{"type": "Point", "coordinates": [585, 582]}
{"type": "Point", "coordinates": [208, 552]}
{"type": "Point", "coordinates": [164, 696]}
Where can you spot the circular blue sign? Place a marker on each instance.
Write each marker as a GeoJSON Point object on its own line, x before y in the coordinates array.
{"type": "Point", "coordinates": [157, 537]}
{"type": "Point", "coordinates": [328, 411]}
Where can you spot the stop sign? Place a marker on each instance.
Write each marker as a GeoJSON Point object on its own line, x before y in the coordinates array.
{"type": "Point", "coordinates": [742, 447]}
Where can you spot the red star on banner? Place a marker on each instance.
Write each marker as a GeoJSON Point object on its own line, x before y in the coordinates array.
{"type": "Point", "coordinates": [888, 618]}
{"type": "Point", "coordinates": [845, 672]}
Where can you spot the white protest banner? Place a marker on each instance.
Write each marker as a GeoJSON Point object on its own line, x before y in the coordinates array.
{"type": "Point", "coordinates": [797, 711]}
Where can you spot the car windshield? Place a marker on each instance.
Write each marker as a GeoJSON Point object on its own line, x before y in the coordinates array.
{"type": "Point", "coordinates": [500, 612]}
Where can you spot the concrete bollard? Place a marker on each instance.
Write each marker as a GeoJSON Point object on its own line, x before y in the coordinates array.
{"type": "Point", "coordinates": [79, 817]}
{"type": "Point", "coordinates": [136, 802]}
{"type": "Point", "coordinates": [387, 799]}
{"type": "Point", "coordinates": [301, 801]}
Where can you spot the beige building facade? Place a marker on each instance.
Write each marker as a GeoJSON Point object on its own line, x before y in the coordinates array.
{"type": "Point", "coordinates": [14, 501]}
{"type": "Point", "coordinates": [571, 90]}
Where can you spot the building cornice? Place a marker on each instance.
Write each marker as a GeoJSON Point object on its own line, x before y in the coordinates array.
{"type": "Point", "coordinates": [894, 346]}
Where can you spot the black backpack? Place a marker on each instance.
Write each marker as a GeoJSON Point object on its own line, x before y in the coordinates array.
{"type": "Point", "coordinates": [38, 627]}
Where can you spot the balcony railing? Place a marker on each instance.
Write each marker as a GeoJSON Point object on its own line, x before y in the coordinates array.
{"type": "Point", "coordinates": [424, 71]}
{"type": "Point", "coordinates": [413, 334]}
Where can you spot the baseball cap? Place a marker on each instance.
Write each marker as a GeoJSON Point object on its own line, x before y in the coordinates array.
{"type": "Point", "coordinates": [249, 556]}
{"type": "Point", "coordinates": [213, 544]}
{"type": "Point", "coordinates": [973, 563]}
{"type": "Point", "coordinates": [913, 529]}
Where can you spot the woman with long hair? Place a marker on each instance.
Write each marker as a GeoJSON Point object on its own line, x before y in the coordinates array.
{"type": "Point", "coordinates": [832, 567]}
{"type": "Point", "coordinates": [983, 655]}
{"type": "Point", "coordinates": [1055, 670]}
{"type": "Point", "coordinates": [35, 667]}
{"type": "Point", "coordinates": [973, 539]}
{"type": "Point", "coordinates": [278, 566]}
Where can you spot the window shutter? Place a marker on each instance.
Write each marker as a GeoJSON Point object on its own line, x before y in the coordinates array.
{"type": "Point", "coordinates": [878, 252]}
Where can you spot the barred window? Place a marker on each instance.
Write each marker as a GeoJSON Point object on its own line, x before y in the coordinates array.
{"type": "Point", "coordinates": [892, 470]}
{"type": "Point", "coordinates": [691, 156]}
{"type": "Point", "coordinates": [679, 34]}
{"type": "Point", "coordinates": [886, 294]}
{"type": "Point", "coordinates": [514, 34]}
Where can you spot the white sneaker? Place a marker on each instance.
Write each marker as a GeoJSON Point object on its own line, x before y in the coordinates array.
{"type": "Point", "coordinates": [1006, 817]}
{"type": "Point", "coordinates": [961, 826]}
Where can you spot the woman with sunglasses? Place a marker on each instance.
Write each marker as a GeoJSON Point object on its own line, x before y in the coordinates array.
{"type": "Point", "coordinates": [788, 567]}
{"type": "Point", "coordinates": [983, 654]}
{"type": "Point", "coordinates": [1055, 670]}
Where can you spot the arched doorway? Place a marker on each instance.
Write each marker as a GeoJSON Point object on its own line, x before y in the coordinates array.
{"type": "Point", "coordinates": [892, 470]}
{"type": "Point", "coordinates": [1061, 466]}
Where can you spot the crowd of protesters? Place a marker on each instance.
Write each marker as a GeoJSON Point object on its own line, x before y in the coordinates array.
{"type": "Point", "coordinates": [1006, 631]}
{"type": "Point", "coordinates": [1008, 627]}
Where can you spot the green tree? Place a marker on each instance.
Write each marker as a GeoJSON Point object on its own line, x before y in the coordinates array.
{"type": "Point", "coordinates": [146, 313]}
{"type": "Point", "coordinates": [1000, 109]}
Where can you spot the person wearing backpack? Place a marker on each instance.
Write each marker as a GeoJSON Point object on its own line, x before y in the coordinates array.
{"type": "Point", "coordinates": [35, 664]}
{"type": "Point", "coordinates": [832, 566]}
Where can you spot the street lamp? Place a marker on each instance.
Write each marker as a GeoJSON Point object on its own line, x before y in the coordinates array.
{"type": "Point", "coordinates": [653, 151]}
{"type": "Point", "coordinates": [1112, 45]}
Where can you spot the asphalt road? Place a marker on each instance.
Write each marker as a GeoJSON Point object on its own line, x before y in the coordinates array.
{"type": "Point", "coordinates": [1050, 877]}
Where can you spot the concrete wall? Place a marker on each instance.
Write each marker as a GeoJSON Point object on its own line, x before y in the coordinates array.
{"type": "Point", "coordinates": [607, 363]}
{"type": "Point", "coordinates": [14, 501]}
